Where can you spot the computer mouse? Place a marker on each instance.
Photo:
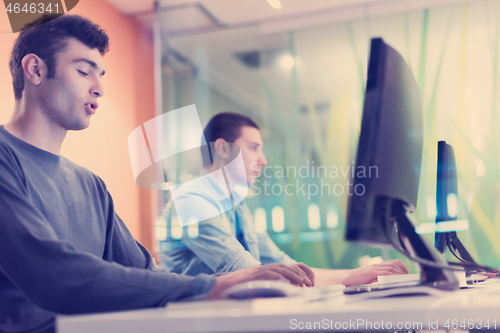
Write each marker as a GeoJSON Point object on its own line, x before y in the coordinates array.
{"type": "Point", "coordinates": [262, 289]}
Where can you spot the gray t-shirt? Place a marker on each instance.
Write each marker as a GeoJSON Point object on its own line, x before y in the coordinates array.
{"type": "Point", "coordinates": [63, 249]}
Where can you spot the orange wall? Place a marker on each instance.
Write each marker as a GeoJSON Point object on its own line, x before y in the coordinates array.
{"type": "Point", "coordinates": [128, 102]}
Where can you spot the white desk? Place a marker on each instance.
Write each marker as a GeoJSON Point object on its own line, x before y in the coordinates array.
{"type": "Point", "coordinates": [476, 305]}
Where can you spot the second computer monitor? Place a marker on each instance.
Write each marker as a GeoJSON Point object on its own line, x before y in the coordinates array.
{"type": "Point", "coordinates": [446, 190]}
{"type": "Point", "coordinates": [447, 204]}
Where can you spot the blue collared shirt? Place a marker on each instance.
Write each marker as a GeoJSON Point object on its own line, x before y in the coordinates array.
{"type": "Point", "coordinates": [216, 248]}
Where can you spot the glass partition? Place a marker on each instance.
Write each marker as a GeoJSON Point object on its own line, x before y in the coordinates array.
{"type": "Point", "coordinates": [305, 89]}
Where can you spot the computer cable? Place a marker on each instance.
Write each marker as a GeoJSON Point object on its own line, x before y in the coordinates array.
{"type": "Point", "coordinates": [464, 264]}
{"type": "Point", "coordinates": [402, 249]}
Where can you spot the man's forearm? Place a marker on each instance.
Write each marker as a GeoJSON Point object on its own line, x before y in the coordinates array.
{"type": "Point", "coordinates": [357, 276]}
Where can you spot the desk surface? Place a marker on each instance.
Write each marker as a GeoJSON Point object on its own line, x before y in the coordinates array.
{"type": "Point", "coordinates": [471, 308]}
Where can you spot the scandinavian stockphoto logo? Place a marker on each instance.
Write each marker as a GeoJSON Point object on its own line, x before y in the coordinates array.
{"type": "Point", "coordinates": [21, 13]}
{"type": "Point", "coordinates": [166, 152]}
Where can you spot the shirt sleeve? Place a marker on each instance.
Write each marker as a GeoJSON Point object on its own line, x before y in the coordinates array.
{"type": "Point", "coordinates": [270, 252]}
{"type": "Point", "coordinates": [122, 247]}
{"type": "Point", "coordinates": [215, 244]}
{"type": "Point", "coordinates": [59, 278]}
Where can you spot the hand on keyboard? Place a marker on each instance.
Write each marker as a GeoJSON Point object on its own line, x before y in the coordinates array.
{"type": "Point", "coordinates": [368, 274]}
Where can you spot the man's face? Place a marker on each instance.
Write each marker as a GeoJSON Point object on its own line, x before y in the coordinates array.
{"type": "Point", "coordinates": [70, 98]}
{"type": "Point", "coordinates": [250, 143]}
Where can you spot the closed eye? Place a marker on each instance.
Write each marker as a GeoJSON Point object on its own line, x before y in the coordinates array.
{"type": "Point", "coordinates": [82, 73]}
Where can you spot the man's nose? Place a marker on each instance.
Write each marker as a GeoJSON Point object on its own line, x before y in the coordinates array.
{"type": "Point", "coordinates": [263, 160]}
{"type": "Point", "coordinates": [97, 89]}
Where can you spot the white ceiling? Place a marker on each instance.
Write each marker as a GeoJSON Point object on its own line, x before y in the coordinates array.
{"type": "Point", "coordinates": [238, 11]}
{"type": "Point", "coordinates": [195, 16]}
{"type": "Point", "coordinates": [209, 33]}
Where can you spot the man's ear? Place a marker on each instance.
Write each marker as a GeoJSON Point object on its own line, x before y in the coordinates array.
{"type": "Point", "coordinates": [222, 149]}
{"type": "Point", "coordinates": [34, 68]}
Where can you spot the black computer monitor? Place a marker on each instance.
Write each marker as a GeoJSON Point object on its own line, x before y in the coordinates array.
{"type": "Point", "coordinates": [446, 194]}
{"type": "Point", "coordinates": [390, 145]}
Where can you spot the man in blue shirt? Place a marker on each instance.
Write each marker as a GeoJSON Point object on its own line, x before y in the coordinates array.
{"type": "Point", "coordinates": [227, 240]}
{"type": "Point", "coordinates": [63, 247]}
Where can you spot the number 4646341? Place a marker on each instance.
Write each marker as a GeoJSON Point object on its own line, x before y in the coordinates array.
{"type": "Point", "coordinates": [470, 324]}
{"type": "Point", "coordinates": [32, 8]}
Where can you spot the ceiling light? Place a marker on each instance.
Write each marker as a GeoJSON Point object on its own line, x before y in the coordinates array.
{"type": "Point", "coordinates": [276, 4]}
{"type": "Point", "coordinates": [287, 61]}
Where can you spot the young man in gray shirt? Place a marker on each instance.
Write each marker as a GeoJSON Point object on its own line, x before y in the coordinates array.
{"type": "Point", "coordinates": [63, 247]}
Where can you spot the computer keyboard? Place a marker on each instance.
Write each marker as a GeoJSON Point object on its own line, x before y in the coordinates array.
{"type": "Point", "coordinates": [401, 281]}
{"type": "Point", "coordinates": [395, 285]}
{"type": "Point", "coordinates": [398, 278]}
{"type": "Point", "coordinates": [477, 278]}
{"type": "Point", "coordinates": [377, 287]}
{"type": "Point", "coordinates": [323, 292]}
{"type": "Point", "coordinates": [399, 289]}
{"type": "Point", "coordinates": [386, 282]}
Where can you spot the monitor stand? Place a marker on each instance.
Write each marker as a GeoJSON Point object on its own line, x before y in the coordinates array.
{"type": "Point", "coordinates": [430, 276]}
{"type": "Point", "coordinates": [433, 280]}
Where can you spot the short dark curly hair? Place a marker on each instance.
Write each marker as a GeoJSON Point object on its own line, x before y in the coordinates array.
{"type": "Point", "coordinates": [227, 126]}
{"type": "Point", "coordinates": [48, 35]}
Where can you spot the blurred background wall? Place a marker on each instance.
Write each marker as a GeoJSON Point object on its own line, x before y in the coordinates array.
{"type": "Point", "coordinates": [303, 81]}
{"type": "Point", "coordinates": [127, 103]}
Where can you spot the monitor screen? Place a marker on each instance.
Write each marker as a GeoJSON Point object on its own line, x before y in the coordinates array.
{"type": "Point", "coordinates": [390, 145]}
{"type": "Point", "coordinates": [446, 191]}
{"type": "Point", "coordinates": [447, 204]}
